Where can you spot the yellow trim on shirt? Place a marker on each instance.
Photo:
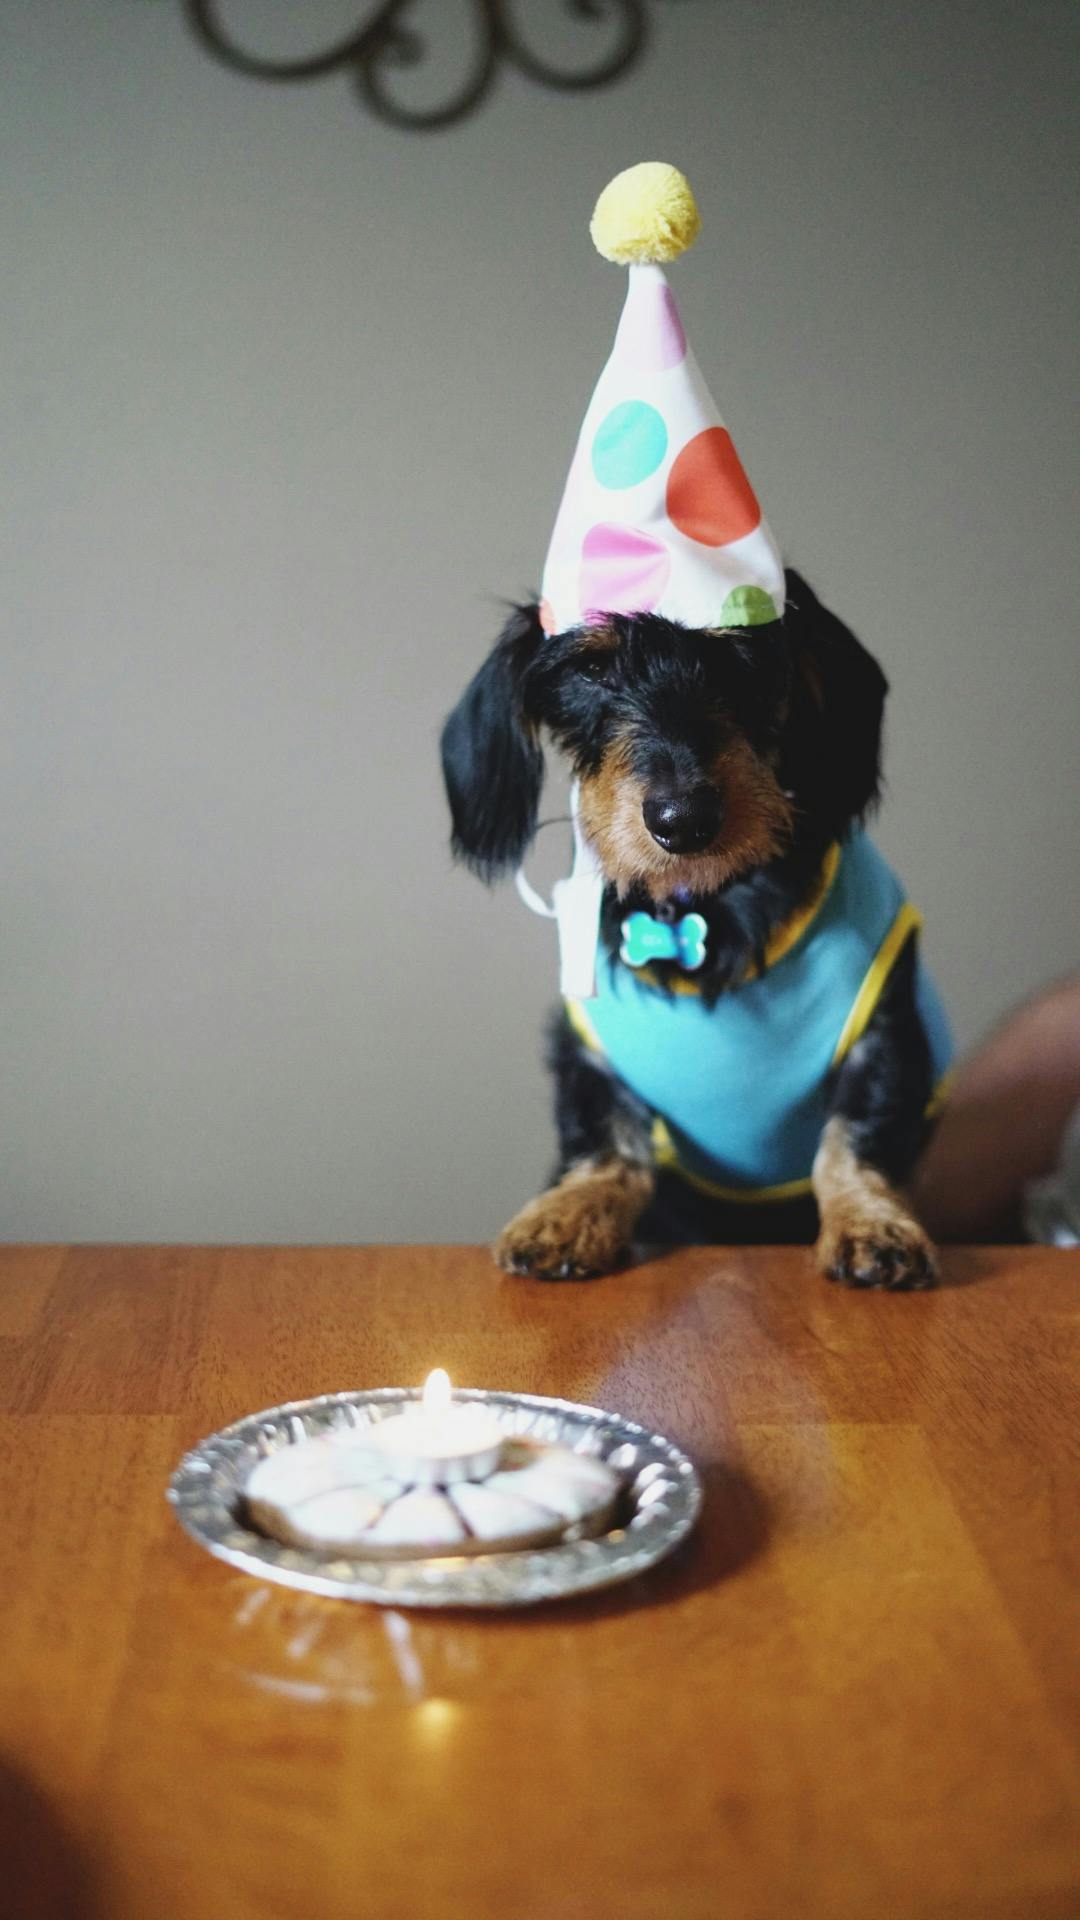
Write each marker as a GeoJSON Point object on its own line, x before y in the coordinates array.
{"type": "Point", "coordinates": [582, 1025]}
{"type": "Point", "coordinates": [907, 922]}
{"type": "Point", "coordinates": [666, 1155]}
{"type": "Point", "coordinates": [791, 932]}
{"type": "Point", "coordinates": [940, 1095]}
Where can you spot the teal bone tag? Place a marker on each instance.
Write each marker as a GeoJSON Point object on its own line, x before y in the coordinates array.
{"type": "Point", "coordinates": [645, 939]}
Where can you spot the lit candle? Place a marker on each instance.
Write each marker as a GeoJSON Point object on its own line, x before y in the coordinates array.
{"type": "Point", "coordinates": [438, 1442]}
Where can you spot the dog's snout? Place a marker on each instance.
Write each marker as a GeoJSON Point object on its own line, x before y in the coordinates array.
{"type": "Point", "coordinates": [684, 821]}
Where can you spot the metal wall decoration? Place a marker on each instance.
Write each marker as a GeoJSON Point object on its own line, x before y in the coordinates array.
{"type": "Point", "coordinates": [387, 41]}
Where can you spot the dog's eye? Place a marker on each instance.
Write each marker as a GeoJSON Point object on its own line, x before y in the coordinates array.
{"type": "Point", "coordinates": [598, 667]}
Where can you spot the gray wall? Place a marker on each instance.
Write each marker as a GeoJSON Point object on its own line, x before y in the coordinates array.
{"type": "Point", "coordinates": [288, 397]}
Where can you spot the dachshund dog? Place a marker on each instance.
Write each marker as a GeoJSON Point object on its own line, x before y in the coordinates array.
{"type": "Point", "coordinates": [718, 773]}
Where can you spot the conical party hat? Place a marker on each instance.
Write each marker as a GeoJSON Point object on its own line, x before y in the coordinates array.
{"type": "Point", "coordinates": [657, 515]}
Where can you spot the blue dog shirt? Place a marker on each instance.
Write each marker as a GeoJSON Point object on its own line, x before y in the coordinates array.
{"type": "Point", "coordinates": [738, 1089]}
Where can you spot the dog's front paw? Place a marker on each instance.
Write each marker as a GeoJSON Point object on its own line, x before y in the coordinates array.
{"type": "Point", "coordinates": [891, 1251]}
{"type": "Point", "coordinates": [575, 1231]}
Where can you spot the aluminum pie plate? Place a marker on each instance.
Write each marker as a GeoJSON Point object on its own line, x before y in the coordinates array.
{"type": "Point", "coordinates": [659, 1505]}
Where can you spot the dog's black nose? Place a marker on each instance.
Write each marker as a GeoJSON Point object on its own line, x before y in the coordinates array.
{"type": "Point", "coordinates": [686, 821]}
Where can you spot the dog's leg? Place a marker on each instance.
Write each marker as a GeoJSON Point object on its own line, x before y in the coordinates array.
{"type": "Point", "coordinates": [584, 1223]}
{"type": "Point", "coordinates": [869, 1236]}
{"type": "Point", "coordinates": [580, 1227]}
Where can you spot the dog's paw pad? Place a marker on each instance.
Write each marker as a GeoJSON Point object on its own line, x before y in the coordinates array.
{"type": "Point", "coordinates": [541, 1261]}
{"type": "Point", "coordinates": [897, 1257]}
{"type": "Point", "coordinates": [560, 1237]}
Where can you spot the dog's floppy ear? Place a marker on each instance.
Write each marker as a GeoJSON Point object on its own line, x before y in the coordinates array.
{"type": "Point", "coordinates": [491, 757]}
{"type": "Point", "coordinates": [832, 751]}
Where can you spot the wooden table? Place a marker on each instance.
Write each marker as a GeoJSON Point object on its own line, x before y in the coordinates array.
{"type": "Point", "coordinates": [855, 1694]}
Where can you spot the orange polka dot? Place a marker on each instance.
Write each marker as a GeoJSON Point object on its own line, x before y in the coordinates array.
{"type": "Point", "coordinates": [709, 497]}
{"type": "Point", "coordinates": [547, 616]}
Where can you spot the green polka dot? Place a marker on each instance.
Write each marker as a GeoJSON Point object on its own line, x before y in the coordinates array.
{"type": "Point", "coordinates": [747, 607]}
{"type": "Point", "coordinates": [628, 445]}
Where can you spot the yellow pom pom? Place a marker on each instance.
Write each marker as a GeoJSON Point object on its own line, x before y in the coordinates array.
{"type": "Point", "coordinates": [647, 213]}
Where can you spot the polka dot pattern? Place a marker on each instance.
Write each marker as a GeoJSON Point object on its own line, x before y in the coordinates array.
{"type": "Point", "coordinates": [657, 514]}
{"type": "Point", "coordinates": [622, 570]}
{"type": "Point", "coordinates": [628, 445]}
{"type": "Point", "coordinates": [709, 497]}
{"type": "Point", "coordinates": [748, 607]}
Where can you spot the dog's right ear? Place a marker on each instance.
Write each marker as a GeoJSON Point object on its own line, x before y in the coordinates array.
{"type": "Point", "coordinates": [491, 757]}
{"type": "Point", "coordinates": [833, 756]}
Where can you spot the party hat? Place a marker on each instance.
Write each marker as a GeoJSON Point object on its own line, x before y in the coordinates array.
{"type": "Point", "coordinates": [657, 515]}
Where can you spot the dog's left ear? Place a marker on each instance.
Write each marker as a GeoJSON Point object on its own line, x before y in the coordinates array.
{"type": "Point", "coordinates": [492, 763]}
{"type": "Point", "coordinates": [832, 751]}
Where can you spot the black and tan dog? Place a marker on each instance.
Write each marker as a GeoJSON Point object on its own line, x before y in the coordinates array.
{"type": "Point", "coordinates": [716, 772]}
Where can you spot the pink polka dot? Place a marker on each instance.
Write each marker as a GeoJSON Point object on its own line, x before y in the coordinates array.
{"type": "Point", "coordinates": [622, 570]}
{"type": "Point", "coordinates": [650, 336]}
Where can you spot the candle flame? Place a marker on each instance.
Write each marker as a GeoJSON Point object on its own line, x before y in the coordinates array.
{"type": "Point", "coordinates": [436, 1394]}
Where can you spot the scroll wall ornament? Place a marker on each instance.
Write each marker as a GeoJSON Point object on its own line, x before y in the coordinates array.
{"type": "Point", "coordinates": [391, 38]}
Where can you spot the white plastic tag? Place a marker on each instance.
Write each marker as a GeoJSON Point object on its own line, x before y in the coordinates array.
{"type": "Point", "coordinates": [576, 908]}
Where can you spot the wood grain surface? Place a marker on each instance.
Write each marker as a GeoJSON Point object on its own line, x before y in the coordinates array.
{"type": "Point", "coordinates": [854, 1696]}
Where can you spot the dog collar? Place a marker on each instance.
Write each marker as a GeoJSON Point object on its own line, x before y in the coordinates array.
{"type": "Point", "coordinates": [575, 906]}
{"type": "Point", "coordinates": [780, 942]}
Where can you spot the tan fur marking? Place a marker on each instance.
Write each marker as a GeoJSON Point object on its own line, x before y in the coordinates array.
{"type": "Point", "coordinates": [811, 674]}
{"type": "Point", "coordinates": [757, 822]}
{"type": "Point", "coordinates": [869, 1236]}
{"type": "Point", "coordinates": [598, 639]}
{"type": "Point", "coordinates": [581, 1226]}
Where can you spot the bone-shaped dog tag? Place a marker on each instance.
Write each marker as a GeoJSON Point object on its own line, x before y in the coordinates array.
{"type": "Point", "coordinates": [645, 939]}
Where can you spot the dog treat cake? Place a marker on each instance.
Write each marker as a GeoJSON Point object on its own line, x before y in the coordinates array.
{"type": "Point", "coordinates": [334, 1495]}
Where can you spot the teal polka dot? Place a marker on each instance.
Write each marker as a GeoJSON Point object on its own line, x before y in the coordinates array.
{"type": "Point", "coordinates": [628, 445]}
